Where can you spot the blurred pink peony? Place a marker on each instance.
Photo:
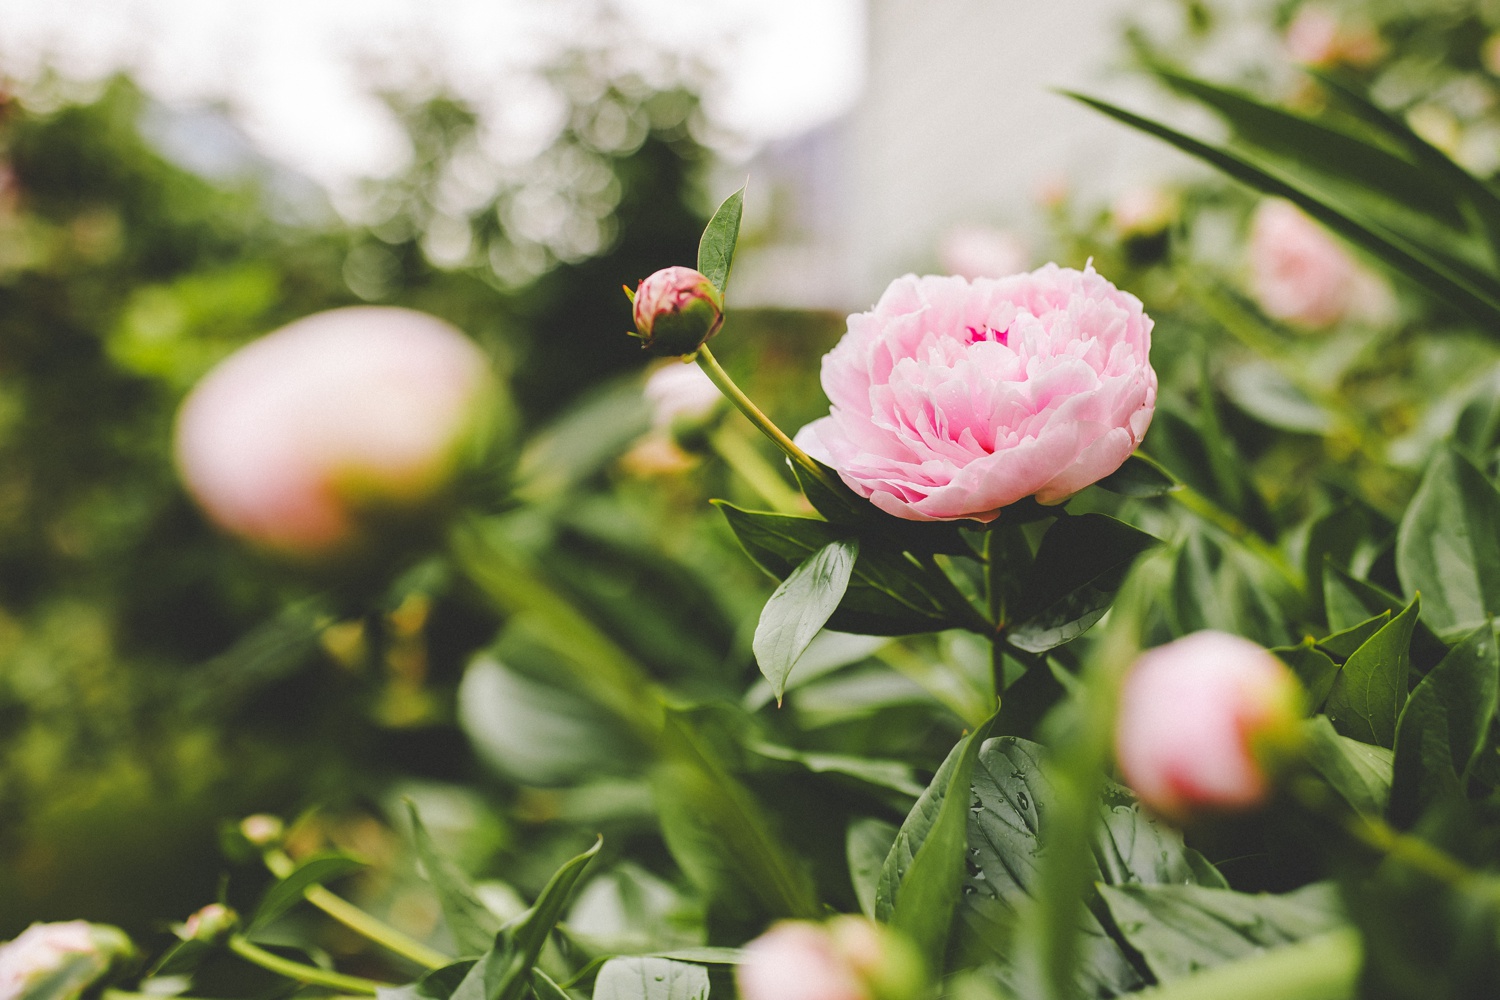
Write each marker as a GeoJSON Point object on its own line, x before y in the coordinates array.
{"type": "Point", "coordinates": [848, 958]}
{"type": "Point", "coordinates": [1142, 211]}
{"type": "Point", "coordinates": [680, 391]}
{"type": "Point", "coordinates": [676, 310]}
{"type": "Point", "coordinates": [68, 957]}
{"type": "Point", "coordinates": [1202, 721]}
{"type": "Point", "coordinates": [290, 439]}
{"type": "Point", "coordinates": [982, 252]}
{"type": "Point", "coordinates": [954, 399]}
{"type": "Point", "coordinates": [1298, 273]}
{"type": "Point", "coordinates": [1316, 37]}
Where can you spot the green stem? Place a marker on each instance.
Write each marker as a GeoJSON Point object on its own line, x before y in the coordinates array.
{"type": "Point", "coordinates": [358, 920]}
{"type": "Point", "coordinates": [1325, 967]}
{"type": "Point", "coordinates": [994, 585]}
{"type": "Point", "coordinates": [748, 464]}
{"type": "Point", "coordinates": [756, 416]}
{"type": "Point", "coordinates": [309, 974]}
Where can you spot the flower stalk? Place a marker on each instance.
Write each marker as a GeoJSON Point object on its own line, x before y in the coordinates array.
{"type": "Point", "coordinates": [302, 973]}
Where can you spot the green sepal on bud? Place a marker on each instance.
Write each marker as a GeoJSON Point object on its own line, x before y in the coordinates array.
{"type": "Point", "coordinates": [676, 310]}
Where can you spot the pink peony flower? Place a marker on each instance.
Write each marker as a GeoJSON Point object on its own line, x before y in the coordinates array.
{"type": "Point", "coordinates": [1315, 37]}
{"type": "Point", "coordinates": [69, 956]}
{"type": "Point", "coordinates": [292, 437]}
{"type": "Point", "coordinates": [953, 399]}
{"type": "Point", "coordinates": [848, 958]}
{"type": "Point", "coordinates": [1298, 273]}
{"type": "Point", "coordinates": [676, 310]}
{"type": "Point", "coordinates": [1201, 722]}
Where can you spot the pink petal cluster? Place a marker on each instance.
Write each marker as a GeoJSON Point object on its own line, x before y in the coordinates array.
{"type": "Point", "coordinates": [952, 399]}
{"type": "Point", "coordinates": [796, 960]}
{"type": "Point", "coordinates": [43, 950]}
{"type": "Point", "coordinates": [1316, 37]}
{"type": "Point", "coordinates": [1200, 719]}
{"type": "Point", "coordinates": [1298, 273]}
{"type": "Point", "coordinates": [287, 439]}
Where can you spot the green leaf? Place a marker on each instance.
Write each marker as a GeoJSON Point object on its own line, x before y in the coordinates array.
{"type": "Point", "coordinates": [1448, 546]}
{"type": "Point", "coordinates": [1341, 645]}
{"type": "Point", "coordinates": [1138, 477]}
{"type": "Point", "coordinates": [800, 607]}
{"type": "Point", "coordinates": [470, 922]}
{"type": "Point", "coordinates": [439, 984]}
{"type": "Point", "coordinates": [1444, 725]}
{"type": "Point", "coordinates": [641, 978]}
{"type": "Point", "coordinates": [925, 868]}
{"type": "Point", "coordinates": [289, 891]}
{"type": "Point", "coordinates": [1182, 929]}
{"type": "Point", "coordinates": [1370, 691]}
{"type": "Point", "coordinates": [1359, 772]}
{"type": "Point", "coordinates": [528, 933]}
{"type": "Point", "coordinates": [1216, 585]}
{"type": "Point", "coordinates": [1313, 668]}
{"type": "Point", "coordinates": [1081, 563]}
{"type": "Point", "coordinates": [716, 248]}
{"type": "Point", "coordinates": [545, 989]}
{"type": "Point", "coordinates": [867, 844]}
{"type": "Point", "coordinates": [888, 593]}
{"type": "Point", "coordinates": [1262, 391]}
{"type": "Point", "coordinates": [885, 774]}
{"type": "Point", "coordinates": [1417, 262]}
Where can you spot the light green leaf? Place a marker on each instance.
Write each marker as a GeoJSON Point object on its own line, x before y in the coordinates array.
{"type": "Point", "coordinates": [1359, 772]}
{"type": "Point", "coordinates": [1313, 668]}
{"type": "Point", "coordinates": [641, 978]}
{"type": "Point", "coordinates": [545, 989]}
{"type": "Point", "coordinates": [800, 607]}
{"type": "Point", "coordinates": [716, 248]}
{"type": "Point", "coordinates": [1448, 546]}
{"type": "Point", "coordinates": [470, 922]}
{"type": "Point", "coordinates": [1444, 725]}
{"type": "Point", "coordinates": [289, 891]}
{"type": "Point", "coordinates": [1138, 477]}
{"type": "Point", "coordinates": [866, 845]}
{"type": "Point", "coordinates": [1371, 689]}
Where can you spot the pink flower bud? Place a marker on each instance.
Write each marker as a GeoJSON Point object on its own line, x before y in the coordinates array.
{"type": "Point", "coordinates": [213, 922]}
{"type": "Point", "coordinates": [1203, 723]}
{"type": "Point", "coordinates": [69, 957]}
{"type": "Point", "coordinates": [676, 310]}
{"type": "Point", "coordinates": [1298, 273]}
{"type": "Point", "coordinates": [849, 958]}
{"type": "Point", "coordinates": [262, 829]}
{"type": "Point", "coordinates": [953, 399]}
{"type": "Point", "coordinates": [1317, 38]}
{"type": "Point", "coordinates": [292, 440]}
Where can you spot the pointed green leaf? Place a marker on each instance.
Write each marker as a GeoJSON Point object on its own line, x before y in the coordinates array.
{"type": "Point", "coordinates": [800, 607]}
{"type": "Point", "coordinates": [289, 891]}
{"type": "Point", "coordinates": [1448, 546]}
{"type": "Point", "coordinates": [544, 987]}
{"type": "Point", "coordinates": [1370, 691]}
{"type": "Point", "coordinates": [1138, 477]}
{"type": "Point", "coordinates": [1444, 726]}
{"type": "Point", "coordinates": [470, 922]}
{"type": "Point", "coordinates": [643, 978]}
{"type": "Point", "coordinates": [867, 844]}
{"type": "Point", "coordinates": [1342, 644]}
{"type": "Point", "coordinates": [716, 248]}
{"type": "Point", "coordinates": [1359, 772]}
{"type": "Point", "coordinates": [526, 935]}
{"type": "Point", "coordinates": [1313, 668]}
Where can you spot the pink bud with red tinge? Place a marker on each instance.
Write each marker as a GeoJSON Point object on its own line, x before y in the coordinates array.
{"type": "Point", "coordinates": [293, 439]}
{"type": "Point", "coordinates": [676, 310]}
{"type": "Point", "coordinates": [1203, 724]}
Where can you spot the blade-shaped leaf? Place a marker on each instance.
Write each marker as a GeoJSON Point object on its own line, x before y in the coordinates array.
{"type": "Point", "coordinates": [716, 248]}
{"type": "Point", "coordinates": [1444, 725]}
{"type": "Point", "coordinates": [545, 989]}
{"type": "Point", "coordinates": [644, 978]}
{"type": "Point", "coordinates": [1448, 546]}
{"type": "Point", "coordinates": [1138, 477]}
{"type": "Point", "coordinates": [1081, 563]}
{"type": "Point", "coordinates": [1359, 772]}
{"type": "Point", "coordinates": [1182, 929]}
{"type": "Point", "coordinates": [289, 891]}
{"type": "Point", "coordinates": [866, 846]}
{"type": "Point", "coordinates": [1370, 691]}
{"type": "Point", "coordinates": [800, 607]}
{"type": "Point", "coordinates": [470, 922]}
{"type": "Point", "coordinates": [528, 932]}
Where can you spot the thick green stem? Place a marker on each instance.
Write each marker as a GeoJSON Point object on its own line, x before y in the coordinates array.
{"type": "Point", "coordinates": [309, 974]}
{"type": "Point", "coordinates": [358, 920]}
{"type": "Point", "coordinates": [756, 416]}
{"type": "Point", "coordinates": [1320, 968]}
{"type": "Point", "coordinates": [994, 581]}
{"type": "Point", "coordinates": [741, 457]}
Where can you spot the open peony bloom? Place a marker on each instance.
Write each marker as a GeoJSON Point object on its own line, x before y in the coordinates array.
{"type": "Point", "coordinates": [293, 437]}
{"type": "Point", "coordinates": [848, 958]}
{"type": "Point", "coordinates": [952, 399]}
{"type": "Point", "coordinates": [62, 959]}
{"type": "Point", "coordinates": [1203, 721]}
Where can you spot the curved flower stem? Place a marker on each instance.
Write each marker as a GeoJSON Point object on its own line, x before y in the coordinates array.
{"type": "Point", "coordinates": [742, 458]}
{"type": "Point", "coordinates": [358, 920]}
{"type": "Point", "coordinates": [756, 416]}
{"type": "Point", "coordinates": [309, 974]}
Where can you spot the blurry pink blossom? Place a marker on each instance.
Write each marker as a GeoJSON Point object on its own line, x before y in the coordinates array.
{"type": "Point", "coordinates": [680, 391]}
{"type": "Point", "coordinates": [1202, 721]}
{"type": "Point", "coordinates": [982, 252]}
{"type": "Point", "coordinates": [1316, 37]}
{"type": "Point", "coordinates": [70, 957]}
{"type": "Point", "coordinates": [676, 310]}
{"type": "Point", "coordinates": [848, 958]}
{"type": "Point", "coordinates": [1300, 275]}
{"type": "Point", "coordinates": [290, 439]}
{"type": "Point", "coordinates": [211, 923]}
{"type": "Point", "coordinates": [1142, 211]}
{"type": "Point", "coordinates": [954, 399]}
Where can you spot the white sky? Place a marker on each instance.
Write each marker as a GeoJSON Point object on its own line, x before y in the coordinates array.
{"type": "Point", "coordinates": [296, 71]}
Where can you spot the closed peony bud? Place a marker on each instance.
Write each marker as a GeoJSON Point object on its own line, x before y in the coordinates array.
{"type": "Point", "coordinates": [676, 310]}
{"type": "Point", "coordinates": [63, 959]}
{"type": "Point", "coordinates": [262, 829]}
{"type": "Point", "coordinates": [1204, 722]}
{"type": "Point", "coordinates": [953, 399]}
{"type": "Point", "coordinates": [849, 958]}
{"type": "Point", "coordinates": [297, 439]}
{"type": "Point", "coordinates": [213, 922]}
